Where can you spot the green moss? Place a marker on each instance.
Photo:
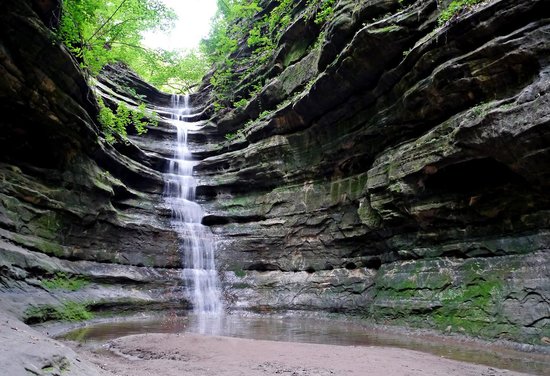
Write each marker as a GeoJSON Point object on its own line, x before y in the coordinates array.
{"type": "Point", "coordinates": [387, 29]}
{"type": "Point", "coordinates": [62, 281]}
{"type": "Point", "coordinates": [453, 296]}
{"type": "Point", "coordinates": [68, 311]}
{"type": "Point", "coordinates": [44, 246]}
{"type": "Point", "coordinates": [414, 277]}
{"type": "Point", "coordinates": [150, 261]}
{"type": "Point", "coordinates": [471, 308]}
{"type": "Point", "coordinates": [455, 7]}
{"type": "Point", "coordinates": [479, 295]}
{"type": "Point", "coordinates": [50, 248]}
{"type": "Point", "coordinates": [480, 110]}
{"type": "Point", "coordinates": [296, 52]}
{"type": "Point", "coordinates": [334, 192]}
{"type": "Point", "coordinates": [46, 226]}
{"type": "Point", "coordinates": [368, 215]}
{"type": "Point", "coordinates": [240, 273]}
{"type": "Point", "coordinates": [240, 205]}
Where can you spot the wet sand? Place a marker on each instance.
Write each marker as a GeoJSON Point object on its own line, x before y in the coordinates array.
{"type": "Point", "coordinates": [192, 354]}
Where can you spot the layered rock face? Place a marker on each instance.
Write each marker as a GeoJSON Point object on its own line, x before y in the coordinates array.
{"type": "Point", "coordinates": [388, 168]}
{"type": "Point", "coordinates": [394, 169]}
{"type": "Point", "coordinates": [75, 212]}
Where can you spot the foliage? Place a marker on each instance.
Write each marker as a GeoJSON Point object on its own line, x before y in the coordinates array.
{"type": "Point", "coordinates": [100, 32]}
{"type": "Point", "coordinates": [233, 136]}
{"type": "Point", "coordinates": [263, 35]}
{"type": "Point", "coordinates": [240, 273]}
{"type": "Point", "coordinates": [172, 71]}
{"type": "Point", "coordinates": [323, 10]}
{"type": "Point", "coordinates": [64, 282]}
{"type": "Point", "coordinates": [117, 122]}
{"type": "Point", "coordinates": [230, 25]}
{"type": "Point", "coordinates": [454, 8]}
{"type": "Point", "coordinates": [240, 133]}
{"type": "Point", "coordinates": [237, 22]}
{"type": "Point", "coordinates": [68, 311]}
{"type": "Point", "coordinates": [177, 71]}
{"type": "Point", "coordinates": [243, 21]}
{"type": "Point", "coordinates": [241, 103]}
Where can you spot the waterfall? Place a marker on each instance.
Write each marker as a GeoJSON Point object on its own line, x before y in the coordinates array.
{"type": "Point", "coordinates": [196, 240]}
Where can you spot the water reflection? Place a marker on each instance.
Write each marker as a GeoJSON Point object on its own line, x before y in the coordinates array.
{"type": "Point", "coordinates": [308, 330]}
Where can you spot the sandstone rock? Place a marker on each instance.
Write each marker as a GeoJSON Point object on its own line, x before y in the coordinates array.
{"type": "Point", "coordinates": [400, 173]}
{"type": "Point", "coordinates": [416, 157]}
{"type": "Point", "coordinates": [69, 202]}
{"type": "Point", "coordinates": [26, 351]}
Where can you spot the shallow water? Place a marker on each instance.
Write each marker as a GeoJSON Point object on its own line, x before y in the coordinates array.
{"type": "Point", "coordinates": [321, 331]}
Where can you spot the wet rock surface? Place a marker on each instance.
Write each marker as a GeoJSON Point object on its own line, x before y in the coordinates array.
{"type": "Point", "coordinates": [73, 207]}
{"type": "Point", "coordinates": [401, 172]}
{"type": "Point", "coordinates": [392, 169]}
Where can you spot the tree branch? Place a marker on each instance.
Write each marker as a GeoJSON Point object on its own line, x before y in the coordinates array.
{"type": "Point", "coordinates": [107, 21]}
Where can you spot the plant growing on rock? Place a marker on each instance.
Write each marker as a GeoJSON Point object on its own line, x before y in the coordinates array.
{"type": "Point", "coordinates": [68, 311]}
{"type": "Point", "coordinates": [455, 8]}
{"type": "Point", "coordinates": [322, 10]}
{"type": "Point", "coordinates": [242, 22]}
{"type": "Point", "coordinates": [100, 33]}
{"type": "Point", "coordinates": [64, 282]}
{"type": "Point", "coordinates": [116, 122]}
{"type": "Point", "coordinates": [241, 103]}
{"type": "Point", "coordinates": [240, 273]}
{"type": "Point", "coordinates": [231, 24]}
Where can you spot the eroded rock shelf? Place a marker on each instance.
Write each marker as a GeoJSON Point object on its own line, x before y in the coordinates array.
{"type": "Point", "coordinates": [389, 168]}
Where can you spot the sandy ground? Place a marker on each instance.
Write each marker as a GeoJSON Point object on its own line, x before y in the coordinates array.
{"type": "Point", "coordinates": [190, 354]}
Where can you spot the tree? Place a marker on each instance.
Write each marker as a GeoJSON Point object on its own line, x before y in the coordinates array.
{"type": "Point", "coordinates": [99, 32]}
{"type": "Point", "coordinates": [174, 71]}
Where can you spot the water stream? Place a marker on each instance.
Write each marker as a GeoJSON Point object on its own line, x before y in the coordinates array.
{"type": "Point", "coordinates": [196, 240]}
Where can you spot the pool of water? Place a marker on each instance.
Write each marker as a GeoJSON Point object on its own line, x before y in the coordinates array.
{"type": "Point", "coordinates": [313, 330]}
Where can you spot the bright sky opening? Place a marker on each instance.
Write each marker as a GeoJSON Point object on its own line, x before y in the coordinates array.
{"type": "Point", "coordinates": [192, 25]}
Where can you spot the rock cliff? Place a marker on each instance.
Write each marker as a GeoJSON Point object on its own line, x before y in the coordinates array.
{"type": "Point", "coordinates": [83, 226]}
{"type": "Point", "coordinates": [393, 168]}
{"type": "Point", "coordinates": [387, 167]}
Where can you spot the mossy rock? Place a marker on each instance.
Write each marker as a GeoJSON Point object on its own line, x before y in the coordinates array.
{"type": "Point", "coordinates": [68, 311]}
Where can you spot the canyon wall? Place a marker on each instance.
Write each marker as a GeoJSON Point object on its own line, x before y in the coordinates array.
{"type": "Point", "coordinates": [76, 213]}
{"type": "Point", "coordinates": [391, 168]}
{"type": "Point", "coordinates": [386, 167]}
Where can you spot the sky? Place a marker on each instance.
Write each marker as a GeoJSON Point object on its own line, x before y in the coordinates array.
{"type": "Point", "coordinates": [193, 25]}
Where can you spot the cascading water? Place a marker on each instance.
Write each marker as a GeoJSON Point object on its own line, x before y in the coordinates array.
{"type": "Point", "coordinates": [196, 240]}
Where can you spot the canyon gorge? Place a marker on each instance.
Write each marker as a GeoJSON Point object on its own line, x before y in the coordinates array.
{"type": "Point", "coordinates": [386, 167]}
